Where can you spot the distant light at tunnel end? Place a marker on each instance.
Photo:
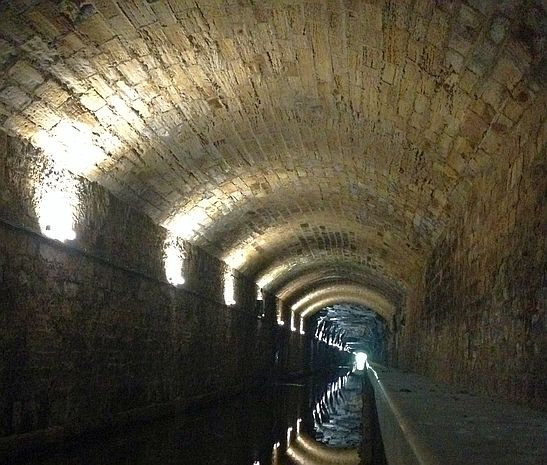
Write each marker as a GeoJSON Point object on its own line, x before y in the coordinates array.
{"type": "Point", "coordinates": [360, 360]}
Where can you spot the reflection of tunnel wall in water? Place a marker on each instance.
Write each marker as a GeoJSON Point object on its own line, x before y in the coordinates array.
{"type": "Point", "coordinates": [306, 451]}
{"type": "Point", "coordinates": [334, 422]}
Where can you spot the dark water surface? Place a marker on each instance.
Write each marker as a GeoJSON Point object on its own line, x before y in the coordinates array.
{"type": "Point", "coordinates": [311, 421]}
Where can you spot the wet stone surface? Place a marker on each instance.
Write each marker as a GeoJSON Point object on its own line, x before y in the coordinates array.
{"type": "Point", "coordinates": [312, 420]}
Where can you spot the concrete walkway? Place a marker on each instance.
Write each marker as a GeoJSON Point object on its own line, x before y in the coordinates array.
{"type": "Point", "coordinates": [428, 423]}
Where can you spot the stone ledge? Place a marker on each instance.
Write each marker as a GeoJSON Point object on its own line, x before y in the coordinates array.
{"type": "Point", "coordinates": [424, 422]}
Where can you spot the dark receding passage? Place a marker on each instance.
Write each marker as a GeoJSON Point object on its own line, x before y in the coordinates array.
{"type": "Point", "coordinates": [306, 421]}
{"type": "Point", "coordinates": [353, 328]}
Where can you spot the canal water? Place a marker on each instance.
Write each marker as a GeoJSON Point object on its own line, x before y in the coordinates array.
{"type": "Point", "coordinates": [316, 420]}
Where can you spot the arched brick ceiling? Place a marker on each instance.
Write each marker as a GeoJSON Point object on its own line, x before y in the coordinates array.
{"type": "Point", "coordinates": [327, 232]}
{"type": "Point", "coordinates": [276, 272]}
{"type": "Point", "coordinates": [239, 209]}
{"type": "Point", "coordinates": [346, 293]}
{"type": "Point", "coordinates": [316, 275]}
{"type": "Point", "coordinates": [366, 121]}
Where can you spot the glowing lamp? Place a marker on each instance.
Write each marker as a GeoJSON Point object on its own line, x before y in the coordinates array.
{"type": "Point", "coordinates": [293, 326]}
{"type": "Point", "coordinates": [229, 288]}
{"type": "Point", "coordinates": [55, 214]}
{"type": "Point", "coordinates": [289, 431]}
{"type": "Point", "coordinates": [173, 263]}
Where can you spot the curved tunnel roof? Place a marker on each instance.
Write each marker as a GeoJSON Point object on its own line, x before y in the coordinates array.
{"type": "Point", "coordinates": [343, 293]}
{"type": "Point", "coordinates": [309, 144]}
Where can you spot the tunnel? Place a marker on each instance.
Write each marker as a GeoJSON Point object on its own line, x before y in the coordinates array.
{"type": "Point", "coordinates": [208, 208]}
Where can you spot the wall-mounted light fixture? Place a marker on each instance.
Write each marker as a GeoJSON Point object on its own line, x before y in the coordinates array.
{"type": "Point", "coordinates": [260, 305]}
{"type": "Point", "coordinates": [56, 205]}
{"type": "Point", "coordinates": [229, 288]}
{"type": "Point", "coordinates": [173, 261]}
{"type": "Point", "coordinates": [56, 216]}
{"type": "Point", "coordinates": [293, 323]}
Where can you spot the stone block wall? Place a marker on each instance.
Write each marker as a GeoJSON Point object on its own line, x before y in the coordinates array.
{"type": "Point", "coordinates": [478, 316]}
{"type": "Point", "coordinates": [91, 329]}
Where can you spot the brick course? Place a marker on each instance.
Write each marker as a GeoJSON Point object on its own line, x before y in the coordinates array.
{"type": "Point", "coordinates": [478, 316]}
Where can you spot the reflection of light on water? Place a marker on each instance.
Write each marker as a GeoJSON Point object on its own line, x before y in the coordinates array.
{"type": "Point", "coordinates": [330, 395]}
{"type": "Point", "coordinates": [307, 451]}
{"type": "Point", "coordinates": [301, 449]}
{"type": "Point", "coordinates": [275, 454]}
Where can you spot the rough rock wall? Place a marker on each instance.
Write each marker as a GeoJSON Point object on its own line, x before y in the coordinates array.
{"type": "Point", "coordinates": [91, 329]}
{"type": "Point", "coordinates": [479, 316]}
